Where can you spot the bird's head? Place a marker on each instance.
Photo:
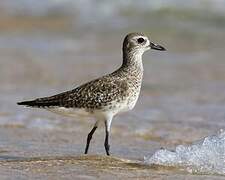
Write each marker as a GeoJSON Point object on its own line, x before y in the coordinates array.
{"type": "Point", "coordinates": [139, 43]}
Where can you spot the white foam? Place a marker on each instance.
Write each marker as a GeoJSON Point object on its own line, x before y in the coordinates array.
{"type": "Point", "coordinates": [206, 156]}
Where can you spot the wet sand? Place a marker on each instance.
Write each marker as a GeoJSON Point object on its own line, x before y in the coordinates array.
{"type": "Point", "coordinates": [87, 167]}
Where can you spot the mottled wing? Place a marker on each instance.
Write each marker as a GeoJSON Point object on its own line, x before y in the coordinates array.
{"type": "Point", "coordinates": [94, 94]}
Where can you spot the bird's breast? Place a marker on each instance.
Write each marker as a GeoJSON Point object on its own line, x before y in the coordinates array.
{"type": "Point", "coordinates": [132, 99]}
{"type": "Point", "coordinates": [127, 103]}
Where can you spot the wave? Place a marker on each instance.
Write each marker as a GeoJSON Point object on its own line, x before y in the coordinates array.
{"type": "Point", "coordinates": [206, 156]}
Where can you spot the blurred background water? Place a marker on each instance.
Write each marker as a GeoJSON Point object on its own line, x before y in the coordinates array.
{"type": "Point", "coordinates": [54, 45]}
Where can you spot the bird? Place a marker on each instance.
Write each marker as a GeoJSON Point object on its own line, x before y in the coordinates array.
{"type": "Point", "coordinates": [107, 96]}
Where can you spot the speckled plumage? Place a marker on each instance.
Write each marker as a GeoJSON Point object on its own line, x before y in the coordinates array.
{"type": "Point", "coordinates": [102, 92]}
{"type": "Point", "coordinates": [108, 95]}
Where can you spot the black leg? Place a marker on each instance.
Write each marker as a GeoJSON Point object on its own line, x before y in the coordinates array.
{"type": "Point", "coordinates": [107, 146]}
{"type": "Point", "coordinates": [89, 138]}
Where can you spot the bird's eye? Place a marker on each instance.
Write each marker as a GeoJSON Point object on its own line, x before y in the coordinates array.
{"type": "Point", "coordinates": [140, 40]}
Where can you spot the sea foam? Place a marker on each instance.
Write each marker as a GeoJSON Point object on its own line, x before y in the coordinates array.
{"type": "Point", "coordinates": [206, 156]}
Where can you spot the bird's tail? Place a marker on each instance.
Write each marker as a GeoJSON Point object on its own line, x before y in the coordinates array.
{"type": "Point", "coordinates": [28, 103]}
{"type": "Point", "coordinates": [50, 101]}
{"type": "Point", "coordinates": [41, 102]}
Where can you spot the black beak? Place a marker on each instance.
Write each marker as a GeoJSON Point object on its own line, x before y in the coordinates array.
{"type": "Point", "coordinates": [156, 47]}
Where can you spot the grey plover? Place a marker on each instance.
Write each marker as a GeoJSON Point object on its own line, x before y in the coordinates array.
{"type": "Point", "coordinates": [108, 95]}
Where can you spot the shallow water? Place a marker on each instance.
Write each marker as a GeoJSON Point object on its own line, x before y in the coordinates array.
{"type": "Point", "coordinates": [182, 98]}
